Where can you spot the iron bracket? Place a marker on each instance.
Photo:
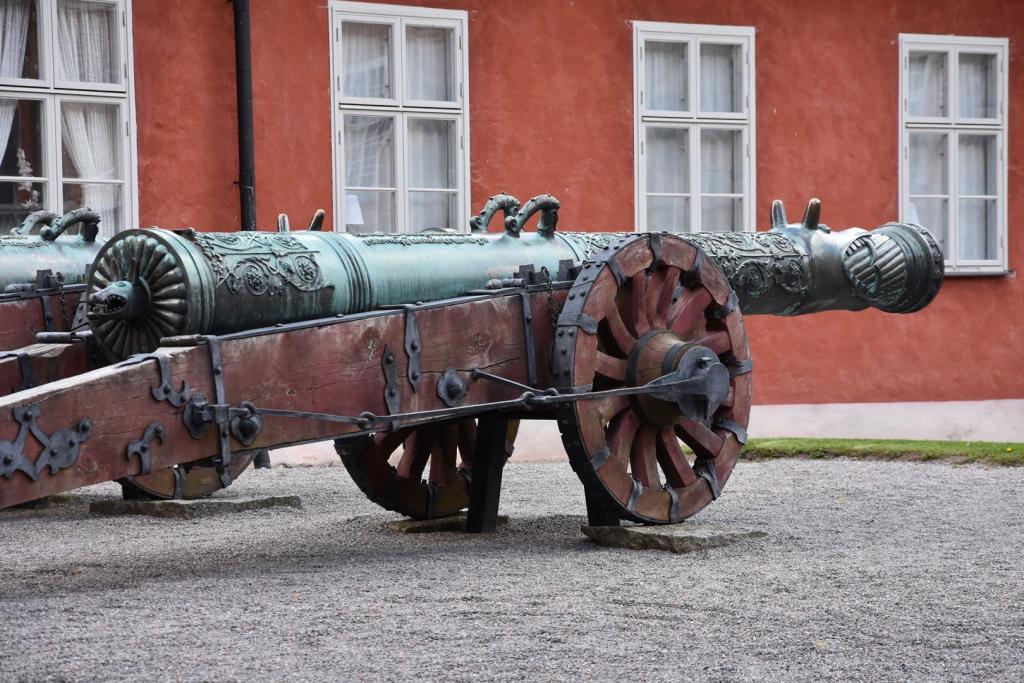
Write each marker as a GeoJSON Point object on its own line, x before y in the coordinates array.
{"type": "Point", "coordinates": [600, 458]}
{"type": "Point", "coordinates": [223, 460]}
{"type": "Point", "coordinates": [722, 311]}
{"type": "Point", "coordinates": [634, 495]}
{"type": "Point", "coordinates": [582, 321]}
{"type": "Point", "coordinates": [44, 300]}
{"type": "Point", "coordinates": [28, 379]}
{"type": "Point", "coordinates": [531, 356]}
{"type": "Point", "coordinates": [140, 448]}
{"type": "Point", "coordinates": [673, 509]}
{"type": "Point", "coordinates": [740, 432]}
{"type": "Point", "coordinates": [392, 396]}
{"type": "Point", "coordinates": [705, 469]}
{"type": "Point", "coordinates": [413, 346]}
{"type": "Point", "coordinates": [692, 276]}
{"type": "Point", "coordinates": [165, 390]}
{"type": "Point", "coordinates": [739, 367]}
{"type": "Point", "coordinates": [60, 449]}
{"type": "Point", "coordinates": [655, 244]}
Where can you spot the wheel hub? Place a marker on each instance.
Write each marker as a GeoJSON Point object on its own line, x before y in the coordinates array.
{"type": "Point", "coordinates": [662, 355]}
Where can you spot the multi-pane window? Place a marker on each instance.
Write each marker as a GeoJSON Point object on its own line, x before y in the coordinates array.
{"type": "Point", "coordinates": [65, 103]}
{"type": "Point", "coordinates": [694, 102]}
{"type": "Point", "coordinates": [953, 137]}
{"type": "Point", "coordinates": [401, 125]}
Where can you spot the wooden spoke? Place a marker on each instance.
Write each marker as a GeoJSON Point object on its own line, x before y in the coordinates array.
{"type": "Point", "coordinates": [731, 398]}
{"type": "Point", "coordinates": [417, 452]}
{"type": "Point", "coordinates": [608, 408]}
{"type": "Point", "coordinates": [620, 333]}
{"type": "Point", "coordinates": [435, 448]}
{"type": "Point", "coordinates": [442, 458]}
{"type": "Point", "coordinates": [643, 458]}
{"type": "Point", "coordinates": [678, 472]}
{"type": "Point", "coordinates": [638, 304]}
{"type": "Point", "coordinates": [611, 367]}
{"type": "Point", "coordinates": [718, 341]}
{"type": "Point", "coordinates": [699, 437]}
{"type": "Point", "coordinates": [621, 433]}
{"type": "Point", "coordinates": [387, 442]}
{"type": "Point", "coordinates": [660, 297]}
{"type": "Point", "coordinates": [467, 442]}
{"type": "Point", "coordinates": [450, 452]}
{"type": "Point", "coordinates": [688, 311]}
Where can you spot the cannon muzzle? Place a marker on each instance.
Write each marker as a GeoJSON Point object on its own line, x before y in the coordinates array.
{"type": "Point", "coordinates": [805, 267]}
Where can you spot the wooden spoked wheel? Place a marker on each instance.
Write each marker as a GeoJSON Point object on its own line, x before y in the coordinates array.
{"type": "Point", "coordinates": [635, 313]}
{"type": "Point", "coordinates": [182, 482]}
{"type": "Point", "coordinates": [421, 472]}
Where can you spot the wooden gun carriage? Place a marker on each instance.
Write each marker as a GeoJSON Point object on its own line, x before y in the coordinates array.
{"type": "Point", "coordinates": [419, 354]}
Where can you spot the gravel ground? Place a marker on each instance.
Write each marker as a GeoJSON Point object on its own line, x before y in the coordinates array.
{"type": "Point", "coordinates": [870, 571]}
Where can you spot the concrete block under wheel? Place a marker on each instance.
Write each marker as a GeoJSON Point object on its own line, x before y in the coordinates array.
{"type": "Point", "coordinates": [676, 538]}
{"type": "Point", "coordinates": [432, 526]}
{"type": "Point", "coordinates": [189, 509]}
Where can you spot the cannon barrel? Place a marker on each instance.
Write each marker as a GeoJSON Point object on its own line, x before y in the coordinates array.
{"type": "Point", "coordinates": [805, 267]}
{"type": "Point", "coordinates": [23, 254]}
{"type": "Point", "coordinates": [154, 283]}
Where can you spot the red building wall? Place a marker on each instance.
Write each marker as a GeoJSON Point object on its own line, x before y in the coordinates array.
{"type": "Point", "coordinates": [551, 91]}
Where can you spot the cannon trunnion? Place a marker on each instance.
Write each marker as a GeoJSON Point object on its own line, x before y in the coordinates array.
{"type": "Point", "coordinates": [634, 343]}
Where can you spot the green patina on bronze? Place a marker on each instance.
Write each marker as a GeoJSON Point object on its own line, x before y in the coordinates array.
{"type": "Point", "coordinates": [148, 284]}
{"type": "Point", "coordinates": [23, 254]}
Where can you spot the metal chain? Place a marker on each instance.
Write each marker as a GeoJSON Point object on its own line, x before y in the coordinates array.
{"type": "Point", "coordinates": [552, 308]}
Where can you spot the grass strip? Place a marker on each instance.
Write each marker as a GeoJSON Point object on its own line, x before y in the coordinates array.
{"type": "Point", "coordinates": [982, 452]}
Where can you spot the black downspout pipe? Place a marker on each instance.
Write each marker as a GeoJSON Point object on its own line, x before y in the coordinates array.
{"type": "Point", "coordinates": [246, 154]}
{"type": "Point", "coordinates": [243, 87]}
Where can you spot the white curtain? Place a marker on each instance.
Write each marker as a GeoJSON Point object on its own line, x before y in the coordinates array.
{"type": "Point", "coordinates": [719, 81]}
{"type": "Point", "coordinates": [929, 175]}
{"type": "Point", "coordinates": [432, 146]}
{"type": "Point", "coordinates": [90, 130]}
{"type": "Point", "coordinates": [721, 173]}
{"type": "Point", "coordinates": [366, 57]}
{"type": "Point", "coordinates": [428, 63]}
{"type": "Point", "coordinates": [976, 85]}
{"type": "Point", "coordinates": [370, 162]}
{"type": "Point", "coordinates": [667, 167]}
{"type": "Point", "coordinates": [928, 164]}
{"type": "Point", "coordinates": [666, 76]}
{"type": "Point", "coordinates": [14, 17]}
{"type": "Point", "coordinates": [668, 213]}
{"type": "Point", "coordinates": [928, 84]}
{"type": "Point", "coordinates": [976, 162]}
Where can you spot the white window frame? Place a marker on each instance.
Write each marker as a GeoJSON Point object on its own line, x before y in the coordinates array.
{"type": "Point", "coordinates": [953, 125]}
{"type": "Point", "coordinates": [49, 90]}
{"type": "Point", "coordinates": [397, 107]}
{"type": "Point", "coordinates": [693, 119]}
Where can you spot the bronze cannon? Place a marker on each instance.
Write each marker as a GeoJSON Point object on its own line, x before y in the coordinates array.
{"type": "Point", "coordinates": [436, 345]}
{"type": "Point", "coordinates": [150, 284]}
{"type": "Point", "coordinates": [42, 278]}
